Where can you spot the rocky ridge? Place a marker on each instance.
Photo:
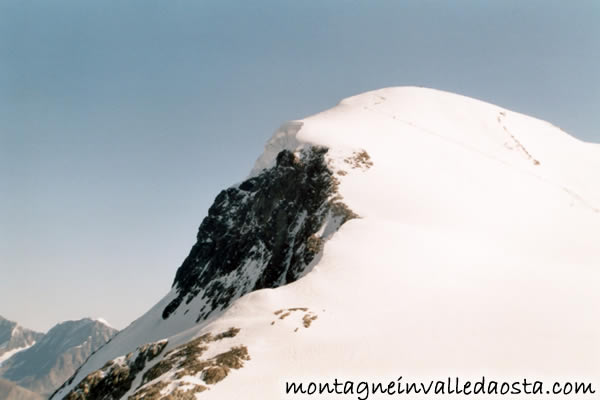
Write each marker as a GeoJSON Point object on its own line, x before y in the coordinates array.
{"type": "Point", "coordinates": [262, 233]}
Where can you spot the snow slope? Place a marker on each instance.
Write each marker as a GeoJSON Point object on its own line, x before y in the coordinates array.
{"type": "Point", "coordinates": [12, 352]}
{"type": "Point", "coordinates": [476, 253]}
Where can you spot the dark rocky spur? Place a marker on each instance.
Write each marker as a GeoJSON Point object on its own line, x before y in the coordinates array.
{"type": "Point", "coordinates": [261, 233]}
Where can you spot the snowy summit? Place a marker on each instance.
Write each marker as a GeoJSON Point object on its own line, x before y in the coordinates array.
{"type": "Point", "coordinates": [404, 232]}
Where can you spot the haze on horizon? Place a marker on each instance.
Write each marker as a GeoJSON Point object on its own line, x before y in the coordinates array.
{"type": "Point", "coordinates": [120, 122]}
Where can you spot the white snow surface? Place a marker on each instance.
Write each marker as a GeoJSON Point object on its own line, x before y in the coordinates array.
{"type": "Point", "coordinates": [477, 253]}
{"type": "Point", "coordinates": [102, 321]}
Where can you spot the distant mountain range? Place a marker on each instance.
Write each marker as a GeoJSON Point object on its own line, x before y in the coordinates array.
{"type": "Point", "coordinates": [35, 364]}
{"type": "Point", "coordinates": [14, 338]}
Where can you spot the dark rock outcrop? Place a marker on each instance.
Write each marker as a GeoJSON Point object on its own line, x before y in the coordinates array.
{"type": "Point", "coordinates": [116, 377]}
{"type": "Point", "coordinates": [262, 233]}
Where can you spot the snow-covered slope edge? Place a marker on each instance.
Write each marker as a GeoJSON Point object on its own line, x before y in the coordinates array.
{"type": "Point", "coordinates": [475, 253]}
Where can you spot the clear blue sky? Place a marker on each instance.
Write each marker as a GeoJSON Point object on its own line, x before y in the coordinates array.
{"type": "Point", "coordinates": [121, 120]}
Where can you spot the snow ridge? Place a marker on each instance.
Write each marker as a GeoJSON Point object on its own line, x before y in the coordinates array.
{"type": "Point", "coordinates": [475, 253]}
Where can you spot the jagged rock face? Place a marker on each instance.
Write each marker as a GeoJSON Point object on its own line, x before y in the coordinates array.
{"type": "Point", "coordinates": [13, 337]}
{"type": "Point", "coordinates": [261, 233]}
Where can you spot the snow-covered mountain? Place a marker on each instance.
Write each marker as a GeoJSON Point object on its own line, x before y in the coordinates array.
{"type": "Point", "coordinates": [45, 365]}
{"type": "Point", "coordinates": [404, 232]}
{"type": "Point", "coordinates": [14, 338]}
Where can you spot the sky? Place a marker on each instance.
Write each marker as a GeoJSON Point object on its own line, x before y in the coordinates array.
{"type": "Point", "coordinates": [120, 121]}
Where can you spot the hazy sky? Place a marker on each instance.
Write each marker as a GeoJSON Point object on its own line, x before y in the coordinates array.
{"type": "Point", "coordinates": [120, 121]}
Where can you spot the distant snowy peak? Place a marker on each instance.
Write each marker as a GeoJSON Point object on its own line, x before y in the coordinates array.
{"type": "Point", "coordinates": [14, 338]}
{"type": "Point", "coordinates": [102, 321]}
{"type": "Point", "coordinates": [43, 366]}
{"type": "Point", "coordinates": [70, 334]}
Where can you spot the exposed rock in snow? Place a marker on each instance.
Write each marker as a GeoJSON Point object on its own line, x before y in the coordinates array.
{"type": "Point", "coordinates": [261, 233]}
